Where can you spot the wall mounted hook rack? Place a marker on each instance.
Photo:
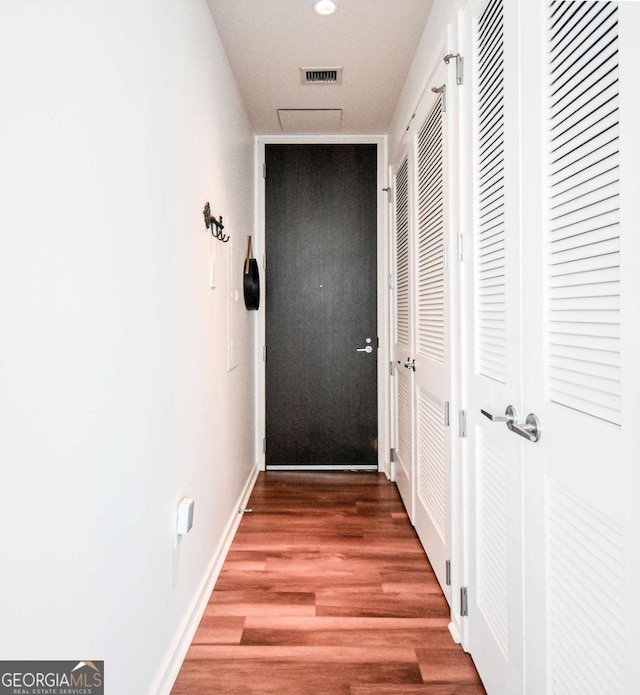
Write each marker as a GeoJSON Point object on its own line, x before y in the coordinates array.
{"type": "Point", "coordinates": [214, 225]}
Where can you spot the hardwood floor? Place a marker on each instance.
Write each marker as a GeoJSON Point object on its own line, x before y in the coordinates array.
{"type": "Point", "coordinates": [326, 590]}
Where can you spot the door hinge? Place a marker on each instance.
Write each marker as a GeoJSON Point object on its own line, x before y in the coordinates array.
{"type": "Point", "coordinates": [442, 90]}
{"type": "Point", "coordinates": [264, 353]}
{"type": "Point", "coordinates": [390, 281]}
{"type": "Point", "coordinates": [462, 423]}
{"type": "Point", "coordinates": [264, 445]}
{"type": "Point", "coordinates": [461, 249]}
{"type": "Point", "coordinates": [392, 455]}
{"type": "Point", "coordinates": [264, 261]}
{"type": "Point", "coordinates": [264, 170]}
{"type": "Point", "coordinates": [464, 602]}
{"type": "Point", "coordinates": [409, 123]}
{"type": "Point", "coordinates": [446, 414]}
{"type": "Point", "coordinates": [448, 573]}
{"type": "Point", "coordinates": [389, 191]}
{"type": "Point", "coordinates": [458, 59]}
{"type": "Point", "coordinates": [391, 368]}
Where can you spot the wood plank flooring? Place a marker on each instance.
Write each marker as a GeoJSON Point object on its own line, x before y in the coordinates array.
{"type": "Point", "coordinates": [326, 589]}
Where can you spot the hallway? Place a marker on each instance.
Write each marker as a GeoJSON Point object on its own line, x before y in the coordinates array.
{"type": "Point", "coordinates": [134, 376]}
{"type": "Point", "coordinates": [326, 588]}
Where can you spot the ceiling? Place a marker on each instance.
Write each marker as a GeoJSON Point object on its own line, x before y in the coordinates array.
{"type": "Point", "coordinates": [268, 41]}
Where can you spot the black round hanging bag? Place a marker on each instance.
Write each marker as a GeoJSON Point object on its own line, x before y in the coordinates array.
{"type": "Point", "coordinates": [251, 281]}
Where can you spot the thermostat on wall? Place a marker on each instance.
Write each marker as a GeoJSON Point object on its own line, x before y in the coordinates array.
{"type": "Point", "coordinates": [185, 516]}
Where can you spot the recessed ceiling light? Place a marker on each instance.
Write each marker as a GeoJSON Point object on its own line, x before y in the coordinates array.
{"type": "Point", "coordinates": [325, 7]}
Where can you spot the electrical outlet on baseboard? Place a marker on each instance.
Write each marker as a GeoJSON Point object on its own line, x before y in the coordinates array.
{"type": "Point", "coordinates": [184, 518]}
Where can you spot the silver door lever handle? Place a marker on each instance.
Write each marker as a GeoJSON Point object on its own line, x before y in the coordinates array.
{"type": "Point", "coordinates": [408, 363]}
{"type": "Point", "coordinates": [365, 349]}
{"type": "Point", "coordinates": [510, 416]}
{"type": "Point", "coordinates": [530, 429]}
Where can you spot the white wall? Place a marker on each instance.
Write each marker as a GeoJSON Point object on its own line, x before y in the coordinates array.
{"type": "Point", "coordinates": [119, 120]}
{"type": "Point", "coordinates": [428, 54]}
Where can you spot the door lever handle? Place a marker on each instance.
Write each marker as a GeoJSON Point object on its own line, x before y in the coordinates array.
{"type": "Point", "coordinates": [365, 349]}
{"type": "Point", "coordinates": [408, 363]}
{"type": "Point", "coordinates": [530, 429]}
{"type": "Point", "coordinates": [510, 416]}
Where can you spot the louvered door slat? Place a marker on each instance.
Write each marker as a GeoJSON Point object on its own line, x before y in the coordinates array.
{"type": "Point", "coordinates": [431, 133]}
{"type": "Point", "coordinates": [492, 115]}
{"type": "Point", "coordinates": [599, 124]}
{"type": "Point", "coordinates": [579, 533]}
{"type": "Point", "coordinates": [490, 334]}
{"type": "Point", "coordinates": [403, 404]}
{"type": "Point", "coordinates": [402, 254]}
{"type": "Point", "coordinates": [492, 150]}
{"type": "Point", "coordinates": [586, 193]}
{"type": "Point", "coordinates": [583, 151]}
{"type": "Point", "coordinates": [573, 379]}
{"type": "Point", "coordinates": [494, 205]}
{"type": "Point", "coordinates": [583, 246]}
{"type": "Point", "coordinates": [431, 324]}
{"type": "Point", "coordinates": [492, 504]}
{"type": "Point", "coordinates": [591, 243]}
{"type": "Point", "coordinates": [492, 169]}
{"type": "Point", "coordinates": [603, 172]}
{"type": "Point", "coordinates": [490, 69]}
{"type": "Point", "coordinates": [571, 364]}
{"type": "Point", "coordinates": [589, 25]}
{"type": "Point", "coordinates": [584, 113]}
{"type": "Point", "coordinates": [431, 473]}
{"type": "Point", "coordinates": [431, 192]}
{"type": "Point", "coordinates": [490, 29]}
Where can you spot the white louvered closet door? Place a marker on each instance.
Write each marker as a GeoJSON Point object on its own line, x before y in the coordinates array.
{"type": "Point", "coordinates": [492, 351]}
{"type": "Point", "coordinates": [581, 294]}
{"type": "Point", "coordinates": [432, 342]}
{"type": "Point", "coordinates": [402, 384]}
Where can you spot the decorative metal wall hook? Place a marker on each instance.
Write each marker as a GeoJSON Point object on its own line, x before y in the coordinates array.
{"type": "Point", "coordinates": [214, 225]}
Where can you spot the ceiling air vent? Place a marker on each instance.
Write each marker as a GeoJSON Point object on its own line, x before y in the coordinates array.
{"type": "Point", "coordinates": [321, 75]}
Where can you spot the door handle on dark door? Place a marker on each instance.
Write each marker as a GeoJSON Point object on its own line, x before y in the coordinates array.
{"type": "Point", "coordinates": [365, 349]}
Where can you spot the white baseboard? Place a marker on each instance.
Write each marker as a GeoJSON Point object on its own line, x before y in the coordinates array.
{"type": "Point", "coordinates": [170, 669]}
{"type": "Point", "coordinates": [455, 634]}
{"type": "Point", "coordinates": [324, 467]}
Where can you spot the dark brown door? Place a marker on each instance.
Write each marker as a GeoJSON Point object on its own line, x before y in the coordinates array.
{"type": "Point", "coordinates": [321, 239]}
